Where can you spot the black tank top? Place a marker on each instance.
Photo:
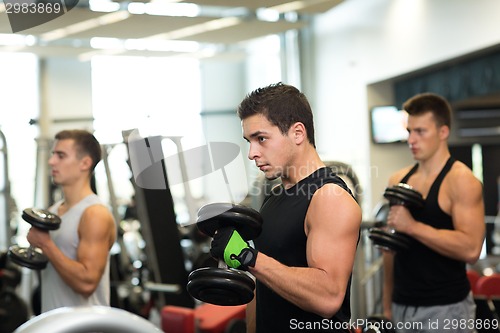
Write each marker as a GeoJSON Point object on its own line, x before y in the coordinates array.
{"type": "Point", "coordinates": [284, 239]}
{"type": "Point", "coordinates": [423, 277]}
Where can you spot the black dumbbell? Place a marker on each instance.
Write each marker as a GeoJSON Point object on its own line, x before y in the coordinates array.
{"type": "Point", "coordinates": [387, 238]}
{"type": "Point", "coordinates": [31, 257]}
{"type": "Point", "coordinates": [222, 285]}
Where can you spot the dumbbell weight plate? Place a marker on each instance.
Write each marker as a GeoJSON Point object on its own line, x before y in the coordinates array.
{"type": "Point", "coordinates": [27, 257]}
{"type": "Point", "coordinates": [248, 227]}
{"type": "Point", "coordinates": [399, 194]}
{"type": "Point", "coordinates": [392, 241]}
{"type": "Point", "coordinates": [216, 208]}
{"type": "Point", "coordinates": [13, 310]}
{"type": "Point", "coordinates": [405, 195]}
{"type": "Point", "coordinates": [221, 286]}
{"type": "Point", "coordinates": [247, 221]}
{"type": "Point", "coordinates": [41, 218]}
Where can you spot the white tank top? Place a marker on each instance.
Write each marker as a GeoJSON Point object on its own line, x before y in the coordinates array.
{"type": "Point", "coordinates": [55, 292]}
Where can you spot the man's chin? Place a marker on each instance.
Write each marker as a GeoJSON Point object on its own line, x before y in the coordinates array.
{"type": "Point", "coordinates": [270, 176]}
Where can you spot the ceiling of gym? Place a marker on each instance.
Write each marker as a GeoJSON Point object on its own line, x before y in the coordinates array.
{"type": "Point", "coordinates": [155, 27]}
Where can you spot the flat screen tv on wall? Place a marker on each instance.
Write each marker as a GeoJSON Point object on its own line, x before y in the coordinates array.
{"type": "Point", "coordinates": [388, 124]}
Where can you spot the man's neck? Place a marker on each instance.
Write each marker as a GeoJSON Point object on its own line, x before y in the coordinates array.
{"type": "Point", "coordinates": [304, 165]}
{"type": "Point", "coordinates": [74, 194]}
{"type": "Point", "coordinates": [435, 163]}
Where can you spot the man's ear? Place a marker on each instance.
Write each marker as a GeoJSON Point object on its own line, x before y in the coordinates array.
{"type": "Point", "coordinates": [86, 162]}
{"type": "Point", "coordinates": [298, 132]}
{"type": "Point", "coordinates": [444, 132]}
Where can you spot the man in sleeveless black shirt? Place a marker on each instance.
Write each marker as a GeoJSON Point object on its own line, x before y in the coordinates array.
{"type": "Point", "coordinates": [426, 288]}
{"type": "Point", "coordinates": [304, 257]}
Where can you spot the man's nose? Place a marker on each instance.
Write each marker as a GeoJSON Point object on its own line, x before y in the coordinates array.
{"type": "Point", "coordinates": [252, 152]}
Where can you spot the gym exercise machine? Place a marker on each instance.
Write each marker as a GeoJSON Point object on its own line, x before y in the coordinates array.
{"type": "Point", "coordinates": [13, 310]}
{"type": "Point", "coordinates": [155, 210]}
{"type": "Point", "coordinates": [5, 195]}
{"type": "Point", "coordinates": [88, 319]}
{"type": "Point", "coordinates": [163, 234]}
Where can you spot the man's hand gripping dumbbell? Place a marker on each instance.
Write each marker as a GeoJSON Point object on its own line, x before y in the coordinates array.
{"type": "Point", "coordinates": [228, 245]}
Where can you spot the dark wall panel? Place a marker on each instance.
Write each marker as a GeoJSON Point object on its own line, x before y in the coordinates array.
{"type": "Point", "coordinates": [463, 154]}
{"type": "Point", "coordinates": [491, 175]}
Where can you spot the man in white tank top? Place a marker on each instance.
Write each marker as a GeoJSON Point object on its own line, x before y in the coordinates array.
{"type": "Point", "coordinates": [78, 252]}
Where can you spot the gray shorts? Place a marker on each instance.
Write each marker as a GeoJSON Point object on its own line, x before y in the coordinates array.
{"type": "Point", "coordinates": [457, 317]}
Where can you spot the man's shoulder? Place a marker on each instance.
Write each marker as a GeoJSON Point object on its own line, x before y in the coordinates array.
{"type": "Point", "coordinates": [461, 181]}
{"type": "Point", "coordinates": [96, 208]}
{"type": "Point", "coordinates": [460, 173]}
{"type": "Point", "coordinates": [396, 176]}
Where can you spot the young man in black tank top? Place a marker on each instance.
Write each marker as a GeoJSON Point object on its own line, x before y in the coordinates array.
{"type": "Point", "coordinates": [304, 256]}
{"type": "Point", "coordinates": [426, 287]}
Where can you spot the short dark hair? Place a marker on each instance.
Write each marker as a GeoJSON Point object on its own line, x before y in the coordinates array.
{"type": "Point", "coordinates": [430, 102]}
{"type": "Point", "coordinates": [282, 104]}
{"type": "Point", "coordinates": [85, 143]}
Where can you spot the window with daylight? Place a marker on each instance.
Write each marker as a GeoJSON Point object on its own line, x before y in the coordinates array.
{"type": "Point", "coordinates": [19, 103]}
{"type": "Point", "coordinates": [155, 96]}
